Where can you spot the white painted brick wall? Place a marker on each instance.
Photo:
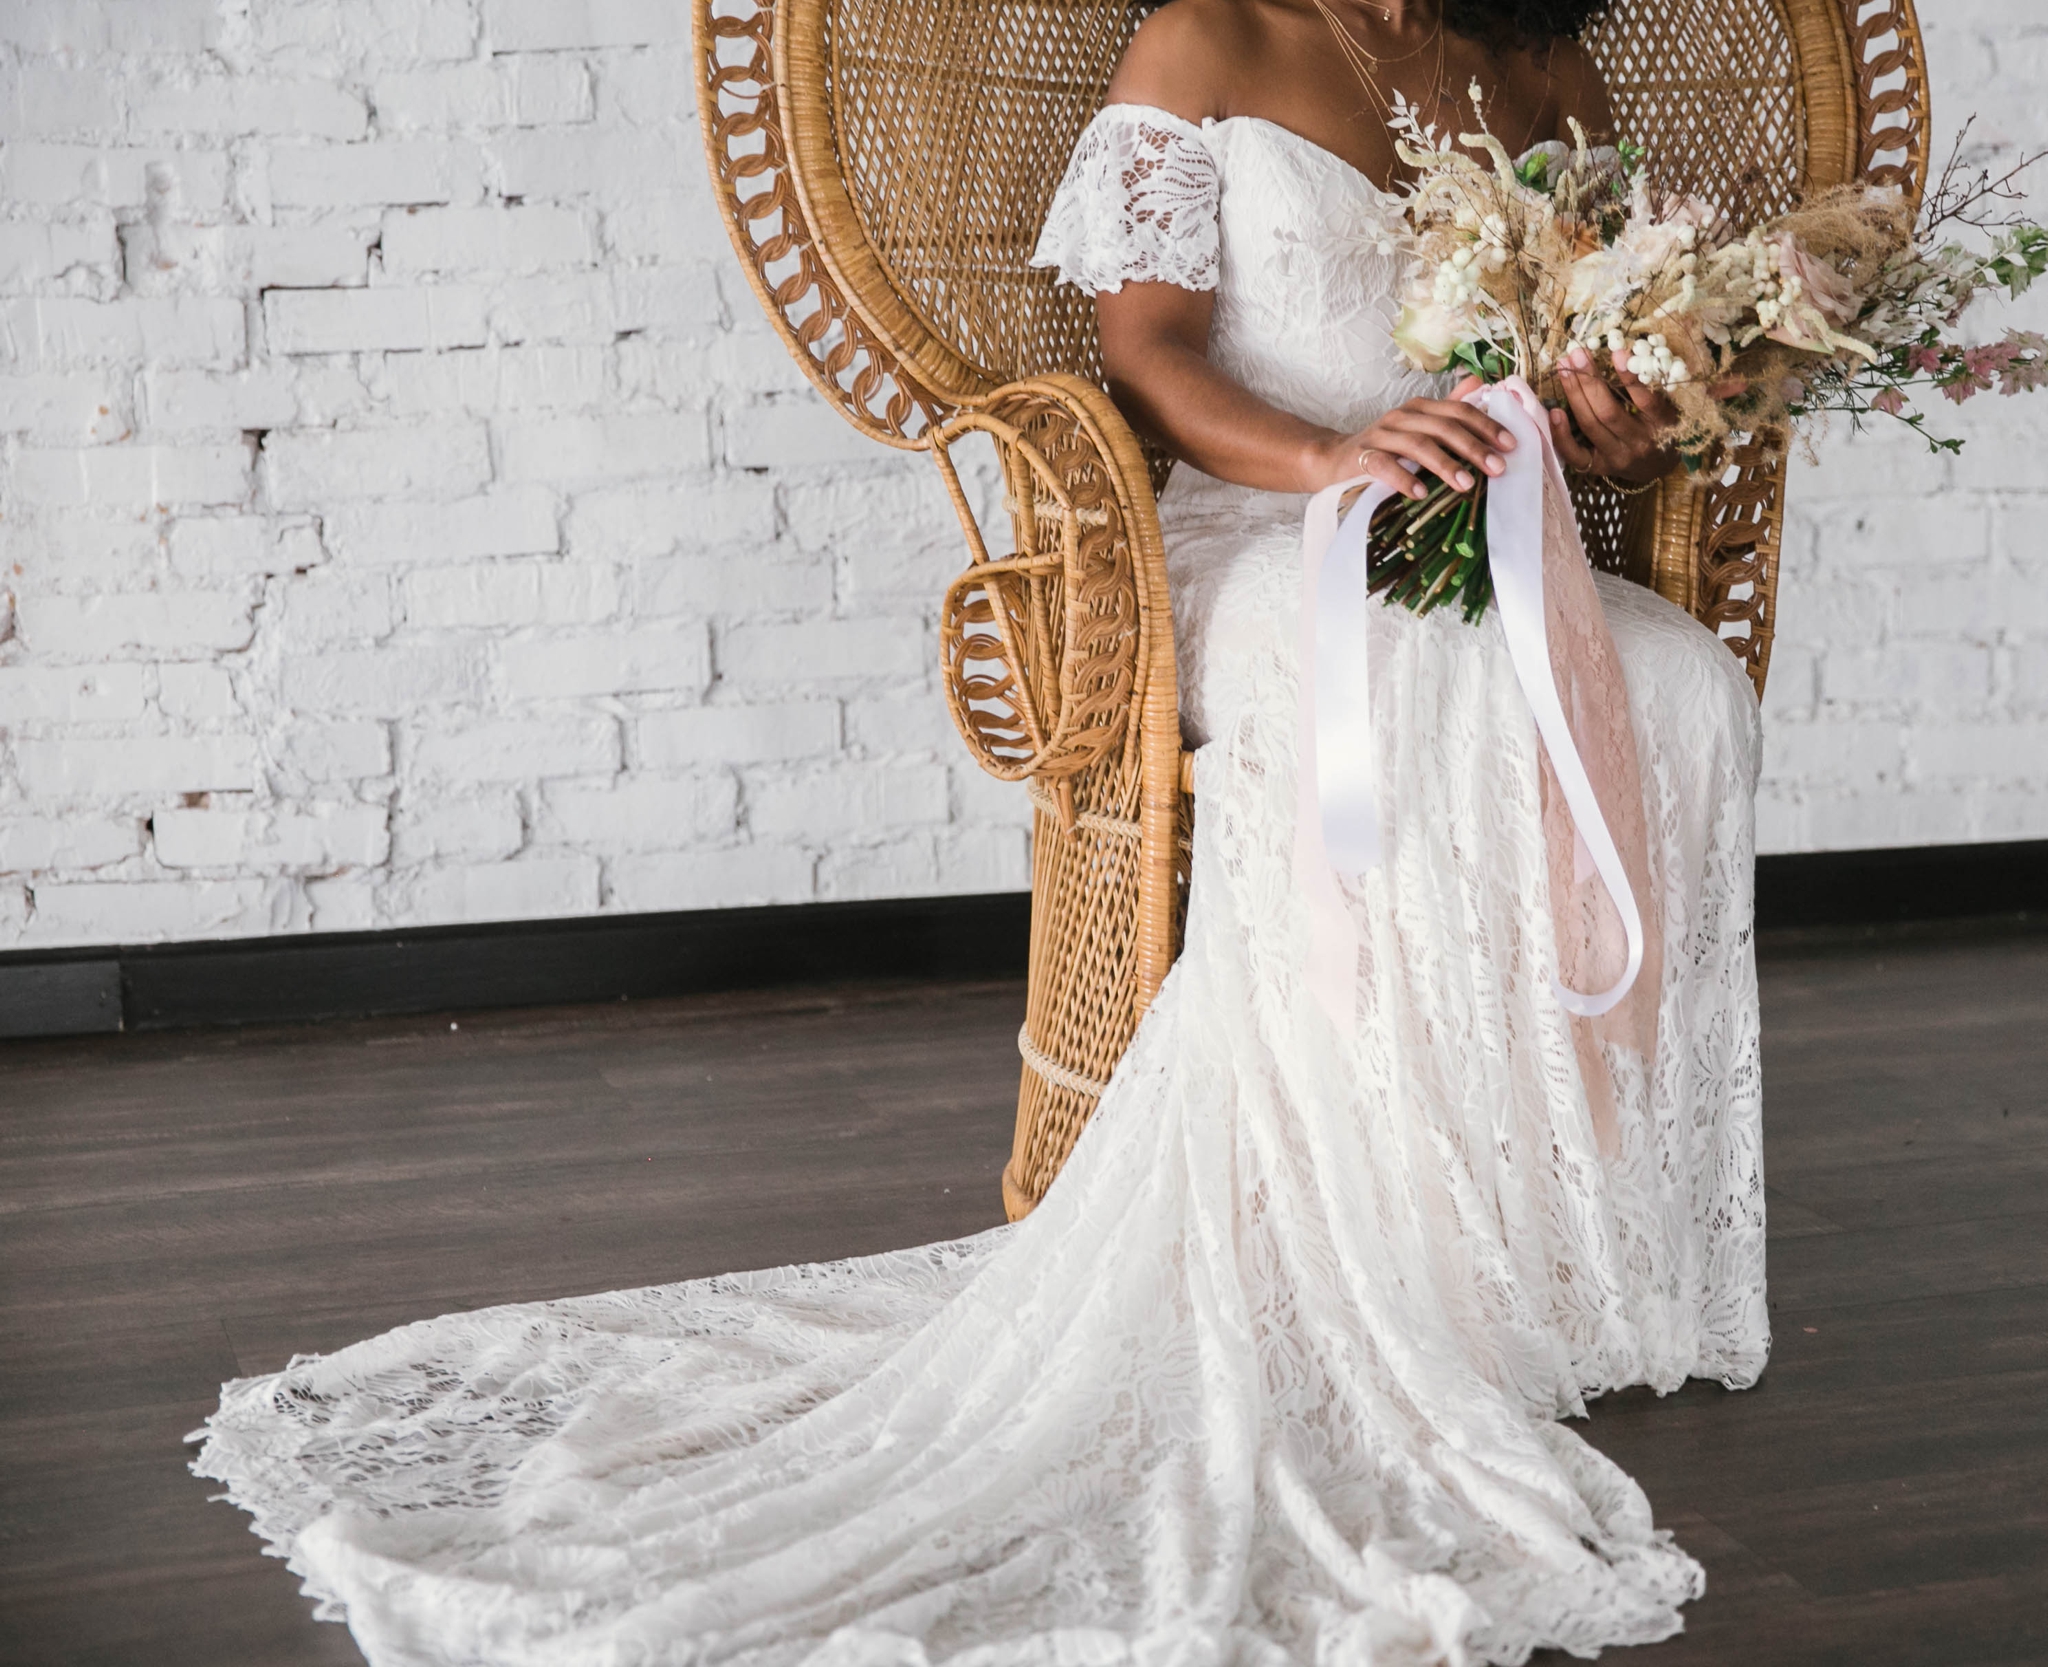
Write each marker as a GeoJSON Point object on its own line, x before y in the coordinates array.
{"type": "Point", "coordinates": [407, 517]}
{"type": "Point", "coordinates": [396, 524]}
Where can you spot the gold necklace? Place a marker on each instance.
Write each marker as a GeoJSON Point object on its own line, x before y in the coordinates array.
{"type": "Point", "coordinates": [1366, 67]}
{"type": "Point", "coordinates": [1353, 51]}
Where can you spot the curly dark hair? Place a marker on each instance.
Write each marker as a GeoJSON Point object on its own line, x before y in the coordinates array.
{"type": "Point", "coordinates": [1527, 22]}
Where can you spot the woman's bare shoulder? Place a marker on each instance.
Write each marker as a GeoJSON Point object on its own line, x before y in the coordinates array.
{"type": "Point", "coordinates": [1182, 58]}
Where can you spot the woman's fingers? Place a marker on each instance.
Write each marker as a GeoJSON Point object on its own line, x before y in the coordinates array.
{"type": "Point", "coordinates": [1384, 467]}
{"type": "Point", "coordinates": [1449, 438]}
{"type": "Point", "coordinates": [1621, 441]}
{"type": "Point", "coordinates": [1466, 415]}
{"type": "Point", "coordinates": [1455, 441]}
{"type": "Point", "coordinates": [1475, 441]}
{"type": "Point", "coordinates": [1569, 447]}
{"type": "Point", "coordinates": [1421, 449]}
{"type": "Point", "coordinates": [1656, 409]}
{"type": "Point", "coordinates": [1603, 419]}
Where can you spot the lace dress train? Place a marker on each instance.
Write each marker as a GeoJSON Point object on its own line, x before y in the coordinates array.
{"type": "Point", "coordinates": [1273, 1375]}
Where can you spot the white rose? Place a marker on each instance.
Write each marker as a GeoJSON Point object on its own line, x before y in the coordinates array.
{"type": "Point", "coordinates": [1428, 331]}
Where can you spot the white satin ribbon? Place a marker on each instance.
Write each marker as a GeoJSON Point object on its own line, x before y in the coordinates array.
{"type": "Point", "coordinates": [1337, 826]}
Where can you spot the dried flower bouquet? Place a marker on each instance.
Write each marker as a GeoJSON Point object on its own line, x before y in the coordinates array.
{"type": "Point", "coordinates": [1844, 304]}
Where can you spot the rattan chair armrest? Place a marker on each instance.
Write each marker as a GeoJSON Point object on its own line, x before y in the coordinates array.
{"type": "Point", "coordinates": [1056, 650]}
{"type": "Point", "coordinates": [1058, 663]}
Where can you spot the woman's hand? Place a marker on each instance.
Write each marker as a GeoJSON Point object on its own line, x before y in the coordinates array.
{"type": "Point", "coordinates": [1446, 437]}
{"type": "Point", "coordinates": [1616, 437]}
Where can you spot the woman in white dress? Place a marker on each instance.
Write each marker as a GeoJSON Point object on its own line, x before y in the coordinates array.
{"type": "Point", "coordinates": [1274, 1374]}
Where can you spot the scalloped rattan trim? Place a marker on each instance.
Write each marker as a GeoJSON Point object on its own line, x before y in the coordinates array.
{"type": "Point", "coordinates": [1892, 116]}
{"type": "Point", "coordinates": [786, 266]}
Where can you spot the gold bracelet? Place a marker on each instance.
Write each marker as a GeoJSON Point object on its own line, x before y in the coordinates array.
{"type": "Point", "coordinates": [1617, 488]}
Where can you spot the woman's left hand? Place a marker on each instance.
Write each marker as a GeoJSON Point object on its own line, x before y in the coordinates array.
{"type": "Point", "coordinates": [1616, 437]}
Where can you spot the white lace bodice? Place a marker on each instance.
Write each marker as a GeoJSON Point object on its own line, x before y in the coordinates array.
{"type": "Point", "coordinates": [1306, 255]}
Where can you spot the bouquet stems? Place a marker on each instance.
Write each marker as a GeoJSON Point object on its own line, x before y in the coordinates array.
{"type": "Point", "coordinates": [1431, 550]}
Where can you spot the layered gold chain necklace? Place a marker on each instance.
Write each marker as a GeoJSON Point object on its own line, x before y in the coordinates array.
{"type": "Point", "coordinates": [1366, 66]}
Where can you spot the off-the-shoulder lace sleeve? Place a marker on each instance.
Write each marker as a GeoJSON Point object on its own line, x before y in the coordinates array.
{"type": "Point", "coordinates": [1138, 204]}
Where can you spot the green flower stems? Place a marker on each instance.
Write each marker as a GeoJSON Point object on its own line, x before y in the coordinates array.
{"type": "Point", "coordinates": [1431, 550]}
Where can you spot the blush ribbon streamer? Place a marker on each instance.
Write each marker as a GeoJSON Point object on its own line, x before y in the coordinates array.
{"type": "Point", "coordinates": [1337, 826]}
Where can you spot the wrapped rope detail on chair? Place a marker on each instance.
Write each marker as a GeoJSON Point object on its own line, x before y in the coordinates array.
{"type": "Point", "coordinates": [1054, 1072]}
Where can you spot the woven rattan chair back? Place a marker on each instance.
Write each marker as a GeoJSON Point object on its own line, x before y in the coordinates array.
{"type": "Point", "coordinates": [951, 125]}
{"type": "Point", "coordinates": [884, 167]}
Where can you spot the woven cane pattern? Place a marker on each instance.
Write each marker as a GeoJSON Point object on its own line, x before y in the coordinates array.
{"type": "Point", "coordinates": [750, 169]}
{"type": "Point", "coordinates": [1082, 1006]}
{"type": "Point", "coordinates": [1711, 90]}
{"type": "Point", "coordinates": [955, 123]}
{"type": "Point", "coordinates": [1614, 527]}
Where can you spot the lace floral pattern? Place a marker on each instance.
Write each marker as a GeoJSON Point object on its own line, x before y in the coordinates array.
{"type": "Point", "coordinates": [1138, 205]}
{"type": "Point", "coordinates": [1272, 1376]}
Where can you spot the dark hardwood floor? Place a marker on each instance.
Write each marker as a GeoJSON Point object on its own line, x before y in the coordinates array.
{"type": "Point", "coordinates": [178, 1209]}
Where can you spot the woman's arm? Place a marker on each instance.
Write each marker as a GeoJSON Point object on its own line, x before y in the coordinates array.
{"type": "Point", "coordinates": [1155, 341]}
{"type": "Point", "coordinates": [1155, 337]}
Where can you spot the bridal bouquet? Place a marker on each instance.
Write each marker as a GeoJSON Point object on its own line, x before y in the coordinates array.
{"type": "Point", "coordinates": [1843, 304]}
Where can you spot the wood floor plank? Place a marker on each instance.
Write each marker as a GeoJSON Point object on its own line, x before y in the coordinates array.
{"type": "Point", "coordinates": [1995, 1622]}
{"type": "Point", "coordinates": [243, 1612]}
{"type": "Point", "coordinates": [1897, 1260]}
{"type": "Point", "coordinates": [60, 1366]}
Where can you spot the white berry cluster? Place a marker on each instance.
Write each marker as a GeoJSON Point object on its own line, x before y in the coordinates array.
{"type": "Point", "coordinates": [1651, 361]}
{"type": "Point", "coordinates": [1461, 279]}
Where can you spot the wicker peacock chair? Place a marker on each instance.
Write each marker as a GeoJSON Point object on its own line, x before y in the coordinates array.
{"type": "Point", "coordinates": [884, 167]}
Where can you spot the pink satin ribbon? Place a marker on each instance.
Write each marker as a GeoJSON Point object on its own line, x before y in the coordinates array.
{"type": "Point", "coordinates": [1337, 826]}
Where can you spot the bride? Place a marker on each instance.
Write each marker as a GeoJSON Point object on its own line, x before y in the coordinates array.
{"type": "Point", "coordinates": [1275, 1373]}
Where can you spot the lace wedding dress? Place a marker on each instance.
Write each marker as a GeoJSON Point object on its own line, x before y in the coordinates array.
{"type": "Point", "coordinates": [1273, 1376]}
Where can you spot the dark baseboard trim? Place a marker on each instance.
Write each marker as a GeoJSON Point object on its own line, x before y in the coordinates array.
{"type": "Point", "coordinates": [537, 963]}
{"type": "Point", "coordinates": [1810, 901]}
{"type": "Point", "coordinates": [1915, 886]}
